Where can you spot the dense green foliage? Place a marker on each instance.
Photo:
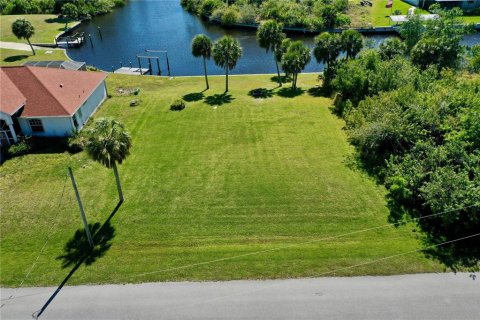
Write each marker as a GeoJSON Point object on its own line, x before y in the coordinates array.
{"type": "Point", "coordinates": [86, 8]}
{"type": "Point", "coordinates": [415, 124]}
{"type": "Point", "coordinates": [328, 47]}
{"type": "Point", "coordinates": [26, 6]}
{"type": "Point", "coordinates": [310, 14]}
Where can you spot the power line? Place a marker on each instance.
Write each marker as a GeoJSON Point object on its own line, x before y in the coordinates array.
{"type": "Point", "coordinates": [341, 269]}
{"type": "Point", "coordinates": [299, 244]}
{"type": "Point", "coordinates": [288, 246]}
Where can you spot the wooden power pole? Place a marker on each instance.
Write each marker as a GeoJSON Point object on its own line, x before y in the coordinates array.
{"type": "Point", "coordinates": [82, 211]}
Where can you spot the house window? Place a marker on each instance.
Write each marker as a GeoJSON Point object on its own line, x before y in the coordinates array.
{"type": "Point", "coordinates": [36, 125]}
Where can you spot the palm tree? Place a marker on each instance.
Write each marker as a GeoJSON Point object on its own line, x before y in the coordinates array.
{"type": "Point", "coordinates": [270, 37]}
{"type": "Point", "coordinates": [108, 143]}
{"type": "Point", "coordinates": [295, 60]}
{"type": "Point", "coordinates": [327, 47]}
{"type": "Point", "coordinates": [23, 29]}
{"type": "Point", "coordinates": [226, 53]}
{"type": "Point", "coordinates": [202, 47]}
{"type": "Point", "coordinates": [352, 42]}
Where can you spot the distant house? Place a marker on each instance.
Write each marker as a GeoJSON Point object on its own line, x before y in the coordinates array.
{"type": "Point", "coordinates": [462, 4]}
{"type": "Point", "coordinates": [36, 101]}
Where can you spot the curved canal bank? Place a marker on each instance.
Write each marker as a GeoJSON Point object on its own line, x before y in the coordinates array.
{"type": "Point", "coordinates": [164, 25]}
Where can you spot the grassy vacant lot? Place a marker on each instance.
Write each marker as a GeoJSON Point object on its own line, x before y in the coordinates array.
{"type": "Point", "coordinates": [378, 15]}
{"type": "Point", "coordinates": [10, 57]}
{"type": "Point", "coordinates": [229, 175]}
{"type": "Point", "coordinates": [47, 26]}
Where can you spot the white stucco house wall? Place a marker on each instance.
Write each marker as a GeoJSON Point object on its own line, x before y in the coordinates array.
{"type": "Point", "coordinates": [47, 102]}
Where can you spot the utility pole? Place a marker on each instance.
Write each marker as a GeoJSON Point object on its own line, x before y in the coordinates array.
{"type": "Point", "coordinates": [82, 212]}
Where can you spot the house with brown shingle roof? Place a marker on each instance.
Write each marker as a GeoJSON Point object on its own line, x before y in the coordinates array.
{"type": "Point", "coordinates": [37, 101]}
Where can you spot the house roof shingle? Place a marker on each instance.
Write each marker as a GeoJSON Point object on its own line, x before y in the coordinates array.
{"type": "Point", "coordinates": [11, 98]}
{"type": "Point", "coordinates": [52, 92]}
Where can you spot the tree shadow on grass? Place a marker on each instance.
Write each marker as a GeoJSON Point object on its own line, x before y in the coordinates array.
{"type": "Point", "coordinates": [318, 92]}
{"type": "Point", "coordinates": [261, 93]}
{"type": "Point", "coordinates": [16, 58]}
{"type": "Point", "coordinates": [283, 79]}
{"type": "Point", "coordinates": [290, 92]}
{"type": "Point", "coordinates": [192, 97]}
{"type": "Point", "coordinates": [219, 99]}
{"type": "Point", "coordinates": [78, 249]}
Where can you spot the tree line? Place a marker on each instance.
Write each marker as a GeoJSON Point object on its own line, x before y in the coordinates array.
{"type": "Point", "coordinates": [85, 9]}
{"type": "Point", "coordinates": [309, 14]}
{"type": "Point", "coordinates": [412, 110]}
{"type": "Point", "coordinates": [292, 56]}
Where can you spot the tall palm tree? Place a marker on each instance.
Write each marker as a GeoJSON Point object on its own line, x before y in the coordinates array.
{"type": "Point", "coordinates": [352, 42]}
{"type": "Point", "coordinates": [226, 53]}
{"type": "Point", "coordinates": [202, 47]}
{"type": "Point", "coordinates": [270, 37]}
{"type": "Point", "coordinates": [23, 29]}
{"type": "Point", "coordinates": [295, 60]}
{"type": "Point", "coordinates": [108, 143]}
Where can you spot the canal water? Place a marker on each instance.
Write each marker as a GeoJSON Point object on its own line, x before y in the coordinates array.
{"type": "Point", "coordinates": [165, 26]}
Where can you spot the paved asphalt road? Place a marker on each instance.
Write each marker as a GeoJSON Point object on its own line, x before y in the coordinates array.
{"type": "Point", "coordinates": [422, 296]}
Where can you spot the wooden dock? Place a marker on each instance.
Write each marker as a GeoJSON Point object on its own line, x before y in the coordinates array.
{"type": "Point", "coordinates": [132, 71]}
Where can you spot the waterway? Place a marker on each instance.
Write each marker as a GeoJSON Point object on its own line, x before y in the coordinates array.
{"type": "Point", "coordinates": [164, 25]}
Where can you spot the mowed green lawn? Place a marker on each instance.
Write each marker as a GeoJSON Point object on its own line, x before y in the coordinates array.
{"type": "Point", "coordinates": [380, 14]}
{"type": "Point", "coordinates": [209, 192]}
{"type": "Point", "coordinates": [10, 57]}
{"type": "Point", "coordinates": [47, 26]}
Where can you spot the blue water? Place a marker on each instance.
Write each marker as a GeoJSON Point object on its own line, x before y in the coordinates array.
{"type": "Point", "coordinates": [164, 25]}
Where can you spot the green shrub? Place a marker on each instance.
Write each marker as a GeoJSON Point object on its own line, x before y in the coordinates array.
{"type": "Point", "coordinates": [20, 148]}
{"type": "Point", "coordinates": [248, 14]}
{"type": "Point", "coordinates": [208, 6]}
{"type": "Point", "coordinates": [177, 105]}
{"type": "Point", "coordinates": [230, 16]}
{"type": "Point", "coordinates": [119, 3]}
{"type": "Point", "coordinates": [192, 6]}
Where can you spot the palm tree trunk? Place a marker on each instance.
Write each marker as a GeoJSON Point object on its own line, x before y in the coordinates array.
{"type": "Point", "coordinates": [205, 70]}
{"type": "Point", "coordinates": [278, 72]}
{"type": "Point", "coordinates": [226, 79]}
{"type": "Point", "coordinates": [31, 47]}
{"type": "Point", "coordinates": [117, 179]}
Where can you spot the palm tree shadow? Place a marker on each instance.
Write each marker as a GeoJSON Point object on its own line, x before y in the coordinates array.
{"type": "Point", "coordinates": [283, 79]}
{"type": "Point", "coordinates": [16, 58]}
{"type": "Point", "coordinates": [262, 93]}
{"type": "Point", "coordinates": [78, 249]}
{"type": "Point", "coordinates": [219, 99]}
{"type": "Point", "coordinates": [290, 92]}
{"type": "Point", "coordinates": [192, 97]}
